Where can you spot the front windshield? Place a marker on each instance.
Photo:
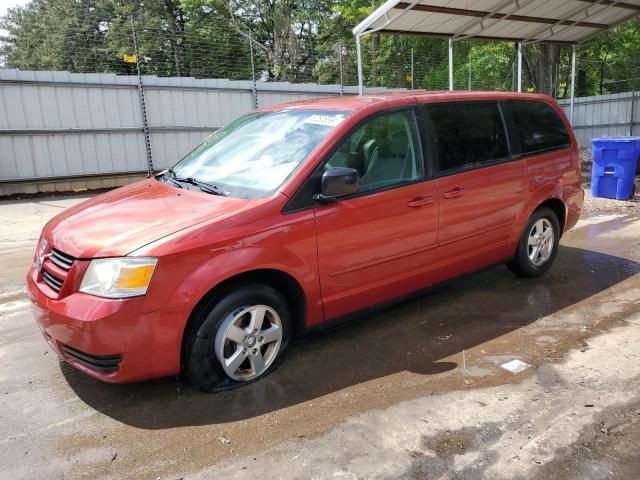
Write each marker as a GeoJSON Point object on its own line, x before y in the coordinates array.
{"type": "Point", "coordinates": [252, 156]}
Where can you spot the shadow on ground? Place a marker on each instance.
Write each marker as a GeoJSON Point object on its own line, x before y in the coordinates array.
{"type": "Point", "coordinates": [413, 336]}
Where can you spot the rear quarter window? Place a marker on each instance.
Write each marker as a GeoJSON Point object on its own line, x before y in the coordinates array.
{"type": "Point", "coordinates": [534, 127]}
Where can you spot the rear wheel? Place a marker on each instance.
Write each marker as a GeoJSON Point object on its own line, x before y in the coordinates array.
{"type": "Point", "coordinates": [240, 338]}
{"type": "Point", "coordinates": [538, 244]}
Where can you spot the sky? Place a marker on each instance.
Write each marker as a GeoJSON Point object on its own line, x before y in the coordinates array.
{"type": "Point", "coordinates": [5, 4]}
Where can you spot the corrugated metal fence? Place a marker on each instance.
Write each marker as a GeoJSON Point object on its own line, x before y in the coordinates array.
{"type": "Point", "coordinates": [56, 127]}
{"type": "Point", "coordinates": [604, 116]}
{"type": "Point", "coordinates": [61, 130]}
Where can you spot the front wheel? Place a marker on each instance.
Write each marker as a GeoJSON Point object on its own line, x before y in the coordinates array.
{"type": "Point", "coordinates": [538, 244]}
{"type": "Point", "coordinates": [240, 338]}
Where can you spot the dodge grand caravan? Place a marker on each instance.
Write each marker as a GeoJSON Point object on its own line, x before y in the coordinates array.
{"type": "Point", "coordinates": [296, 216]}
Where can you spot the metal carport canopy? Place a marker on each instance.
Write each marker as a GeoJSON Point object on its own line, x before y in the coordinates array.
{"type": "Point", "coordinates": [522, 21]}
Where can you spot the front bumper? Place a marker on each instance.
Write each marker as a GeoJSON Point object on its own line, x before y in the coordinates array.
{"type": "Point", "coordinates": [112, 340]}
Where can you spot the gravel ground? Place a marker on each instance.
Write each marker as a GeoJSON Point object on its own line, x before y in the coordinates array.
{"type": "Point", "coordinates": [601, 205]}
{"type": "Point", "coordinates": [587, 163]}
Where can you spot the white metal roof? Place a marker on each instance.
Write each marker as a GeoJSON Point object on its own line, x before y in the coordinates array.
{"type": "Point", "coordinates": [566, 21]}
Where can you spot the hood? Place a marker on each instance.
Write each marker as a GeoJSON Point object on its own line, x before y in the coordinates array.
{"type": "Point", "coordinates": [123, 220]}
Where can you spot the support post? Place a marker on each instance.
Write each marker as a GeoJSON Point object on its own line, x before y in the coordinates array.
{"type": "Point", "coordinates": [632, 113]}
{"type": "Point", "coordinates": [412, 69]}
{"type": "Point", "coordinates": [254, 85]}
{"type": "Point", "coordinates": [359, 54]}
{"type": "Point", "coordinates": [450, 64]}
{"type": "Point", "coordinates": [143, 107]}
{"type": "Point", "coordinates": [519, 67]}
{"type": "Point", "coordinates": [573, 82]}
{"type": "Point", "coordinates": [340, 53]}
{"type": "Point", "coordinates": [469, 79]}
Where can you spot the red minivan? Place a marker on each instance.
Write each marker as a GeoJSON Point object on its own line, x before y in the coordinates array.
{"type": "Point", "coordinates": [296, 216]}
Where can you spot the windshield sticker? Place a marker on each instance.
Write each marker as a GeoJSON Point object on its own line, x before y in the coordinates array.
{"type": "Point", "coordinates": [326, 120]}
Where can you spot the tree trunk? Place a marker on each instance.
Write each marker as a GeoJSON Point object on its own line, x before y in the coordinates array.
{"type": "Point", "coordinates": [542, 66]}
{"type": "Point", "coordinates": [581, 83]}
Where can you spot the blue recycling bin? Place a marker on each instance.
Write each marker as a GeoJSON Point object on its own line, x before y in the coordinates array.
{"type": "Point", "coordinates": [614, 166]}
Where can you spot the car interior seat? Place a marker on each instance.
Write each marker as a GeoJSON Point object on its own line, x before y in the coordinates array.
{"type": "Point", "coordinates": [390, 162]}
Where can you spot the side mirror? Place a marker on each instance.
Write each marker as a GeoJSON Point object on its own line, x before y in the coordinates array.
{"type": "Point", "coordinates": [338, 182]}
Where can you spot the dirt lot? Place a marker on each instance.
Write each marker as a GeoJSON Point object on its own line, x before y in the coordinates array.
{"type": "Point", "coordinates": [415, 391]}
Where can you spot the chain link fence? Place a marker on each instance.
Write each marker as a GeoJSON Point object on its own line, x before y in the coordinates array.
{"type": "Point", "coordinates": [200, 47]}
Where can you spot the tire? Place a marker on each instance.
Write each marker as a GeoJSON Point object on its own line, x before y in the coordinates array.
{"type": "Point", "coordinates": [523, 264]}
{"type": "Point", "coordinates": [223, 331]}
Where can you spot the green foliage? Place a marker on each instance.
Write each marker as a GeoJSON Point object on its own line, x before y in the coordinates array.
{"type": "Point", "coordinates": [293, 40]}
{"type": "Point", "coordinates": [491, 65]}
{"type": "Point", "coordinates": [58, 35]}
{"type": "Point", "coordinates": [610, 63]}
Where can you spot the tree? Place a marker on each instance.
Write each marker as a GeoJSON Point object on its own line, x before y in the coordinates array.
{"type": "Point", "coordinates": [284, 33]}
{"type": "Point", "coordinates": [293, 40]}
{"type": "Point", "coordinates": [58, 35]}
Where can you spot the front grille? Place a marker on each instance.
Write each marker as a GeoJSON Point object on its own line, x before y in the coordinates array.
{"type": "Point", "coordinates": [54, 282]}
{"type": "Point", "coordinates": [61, 259]}
{"type": "Point", "coordinates": [55, 269]}
{"type": "Point", "coordinates": [100, 363]}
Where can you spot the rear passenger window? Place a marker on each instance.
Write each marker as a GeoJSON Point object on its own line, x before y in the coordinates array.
{"type": "Point", "coordinates": [535, 126]}
{"type": "Point", "coordinates": [467, 134]}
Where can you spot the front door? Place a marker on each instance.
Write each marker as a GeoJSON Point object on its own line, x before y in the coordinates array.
{"type": "Point", "coordinates": [381, 242]}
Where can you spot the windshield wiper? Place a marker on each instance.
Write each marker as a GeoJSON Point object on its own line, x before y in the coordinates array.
{"type": "Point", "coordinates": [204, 186]}
{"type": "Point", "coordinates": [172, 178]}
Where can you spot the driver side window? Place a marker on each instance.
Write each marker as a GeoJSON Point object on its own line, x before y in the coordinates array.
{"type": "Point", "coordinates": [384, 151]}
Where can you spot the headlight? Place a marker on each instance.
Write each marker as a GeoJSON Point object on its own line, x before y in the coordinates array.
{"type": "Point", "coordinates": [118, 277]}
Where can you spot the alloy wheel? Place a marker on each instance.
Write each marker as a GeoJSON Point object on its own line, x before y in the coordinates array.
{"type": "Point", "coordinates": [248, 341]}
{"type": "Point", "coordinates": [540, 242]}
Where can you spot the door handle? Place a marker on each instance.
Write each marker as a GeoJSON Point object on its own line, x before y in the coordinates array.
{"type": "Point", "coordinates": [420, 201]}
{"type": "Point", "coordinates": [541, 180]}
{"type": "Point", "coordinates": [454, 193]}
